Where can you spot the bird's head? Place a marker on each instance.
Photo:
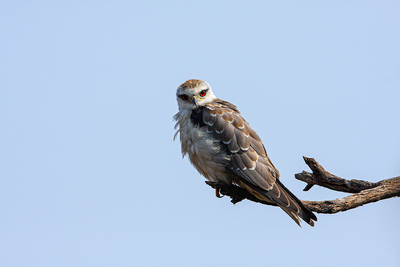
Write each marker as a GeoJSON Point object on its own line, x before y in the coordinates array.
{"type": "Point", "coordinates": [193, 94]}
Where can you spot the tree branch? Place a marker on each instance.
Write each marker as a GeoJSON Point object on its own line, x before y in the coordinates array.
{"type": "Point", "coordinates": [363, 192]}
{"type": "Point", "coordinates": [323, 178]}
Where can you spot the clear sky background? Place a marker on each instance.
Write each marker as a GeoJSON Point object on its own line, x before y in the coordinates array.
{"type": "Point", "coordinates": [91, 176]}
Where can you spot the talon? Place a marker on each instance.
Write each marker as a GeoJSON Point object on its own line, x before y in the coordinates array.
{"type": "Point", "coordinates": [217, 193]}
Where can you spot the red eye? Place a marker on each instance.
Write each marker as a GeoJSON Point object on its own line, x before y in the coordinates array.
{"type": "Point", "coordinates": [184, 97]}
{"type": "Point", "coordinates": [203, 93]}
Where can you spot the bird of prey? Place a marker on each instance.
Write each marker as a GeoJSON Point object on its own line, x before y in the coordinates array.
{"type": "Point", "coordinates": [224, 148]}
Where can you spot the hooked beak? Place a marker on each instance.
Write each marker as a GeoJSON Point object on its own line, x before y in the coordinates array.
{"type": "Point", "coordinates": [194, 100]}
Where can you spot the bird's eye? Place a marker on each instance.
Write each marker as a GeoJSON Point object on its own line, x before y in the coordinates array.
{"type": "Point", "coordinates": [184, 97]}
{"type": "Point", "coordinates": [203, 93]}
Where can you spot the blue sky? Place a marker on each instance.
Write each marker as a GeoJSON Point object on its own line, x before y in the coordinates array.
{"type": "Point", "coordinates": [90, 175]}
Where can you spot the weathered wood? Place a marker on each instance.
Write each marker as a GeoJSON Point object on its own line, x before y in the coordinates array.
{"type": "Point", "coordinates": [389, 188]}
{"type": "Point", "coordinates": [323, 178]}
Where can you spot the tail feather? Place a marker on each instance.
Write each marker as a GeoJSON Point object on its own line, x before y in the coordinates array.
{"type": "Point", "coordinates": [301, 211]}
{"type": "Point", "coordinates": [285, 199]}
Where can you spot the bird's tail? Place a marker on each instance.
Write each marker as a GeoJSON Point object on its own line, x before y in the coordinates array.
{"type": "Point", "coordinates": [294, 207]}
{"type": "Point", "coordinates": [285, 199]}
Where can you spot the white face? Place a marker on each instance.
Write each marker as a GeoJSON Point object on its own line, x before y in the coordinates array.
{"type": "Point", "coordinates": [191, 98]}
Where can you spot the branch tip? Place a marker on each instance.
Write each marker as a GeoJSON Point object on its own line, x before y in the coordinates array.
{"type": "Point", "coordinates": [308, 187]}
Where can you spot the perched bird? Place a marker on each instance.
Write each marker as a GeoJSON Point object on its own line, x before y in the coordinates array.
{"type": "Point", "coordinates": [225, 149]}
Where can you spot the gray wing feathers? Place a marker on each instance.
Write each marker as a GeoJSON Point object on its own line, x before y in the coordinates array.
{"type": "Point", "coordinates": [249, 160]}
{"type": "Point", "coordinates": [228, 134]}
{"type": "Point", "coordinates": [242, 141]}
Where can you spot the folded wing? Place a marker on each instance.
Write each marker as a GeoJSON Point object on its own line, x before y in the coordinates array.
{"type": "Point", "coordinates": [250, 165]}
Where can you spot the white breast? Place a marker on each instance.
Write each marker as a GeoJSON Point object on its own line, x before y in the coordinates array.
{"type": "Point", "coordinates": [204, 153]}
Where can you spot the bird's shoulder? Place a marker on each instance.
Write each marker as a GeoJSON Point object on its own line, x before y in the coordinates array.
{"type": "Point", "coordinates": [223, 120]}
{"type": "Point", "coordinates": [221, 106]}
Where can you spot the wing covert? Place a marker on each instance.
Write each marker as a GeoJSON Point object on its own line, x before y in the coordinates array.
{"type": "Point", "coordinates": [249, 160]}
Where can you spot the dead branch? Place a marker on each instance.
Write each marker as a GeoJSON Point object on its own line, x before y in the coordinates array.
{"type": "Point", "coordinates": [323, 178]}
{"type": "Point", "coordinates": [363, 192]}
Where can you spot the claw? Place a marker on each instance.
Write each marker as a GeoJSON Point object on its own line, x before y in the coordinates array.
{"type": "Point", "coordinates": [217, 193]}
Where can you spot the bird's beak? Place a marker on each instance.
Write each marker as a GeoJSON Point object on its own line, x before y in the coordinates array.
{"type": "Point", "coordinates": [194, 100]}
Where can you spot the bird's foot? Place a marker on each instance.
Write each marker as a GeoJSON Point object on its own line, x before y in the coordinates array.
{"type": "Point", "coordinates": [219, 189]}
{"type": "Point", "coordinates": [217, 193]}
{"type": "Point", "coordinates": [218, 186]}
{"type": "Point", "coordinates": [233, 191]}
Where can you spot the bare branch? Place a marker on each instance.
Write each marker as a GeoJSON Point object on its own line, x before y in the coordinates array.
{"type": "Point", "coordinates": [323, 178]}
{"type": "Point", "coordinates": [389, 188]}
{"type": "Point", "coordinates": [364, 192]}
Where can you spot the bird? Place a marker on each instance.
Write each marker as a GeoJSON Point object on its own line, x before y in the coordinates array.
{"type": "Point", "coordinates": [223, 148]}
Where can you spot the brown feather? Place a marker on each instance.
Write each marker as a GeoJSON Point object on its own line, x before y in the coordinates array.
{"type": "Point", "coordinates": [252, 154]}
{"type": "Point", "coordinates": [228, 117]}
{"type": "Point", "coordinates": [247, 161]}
